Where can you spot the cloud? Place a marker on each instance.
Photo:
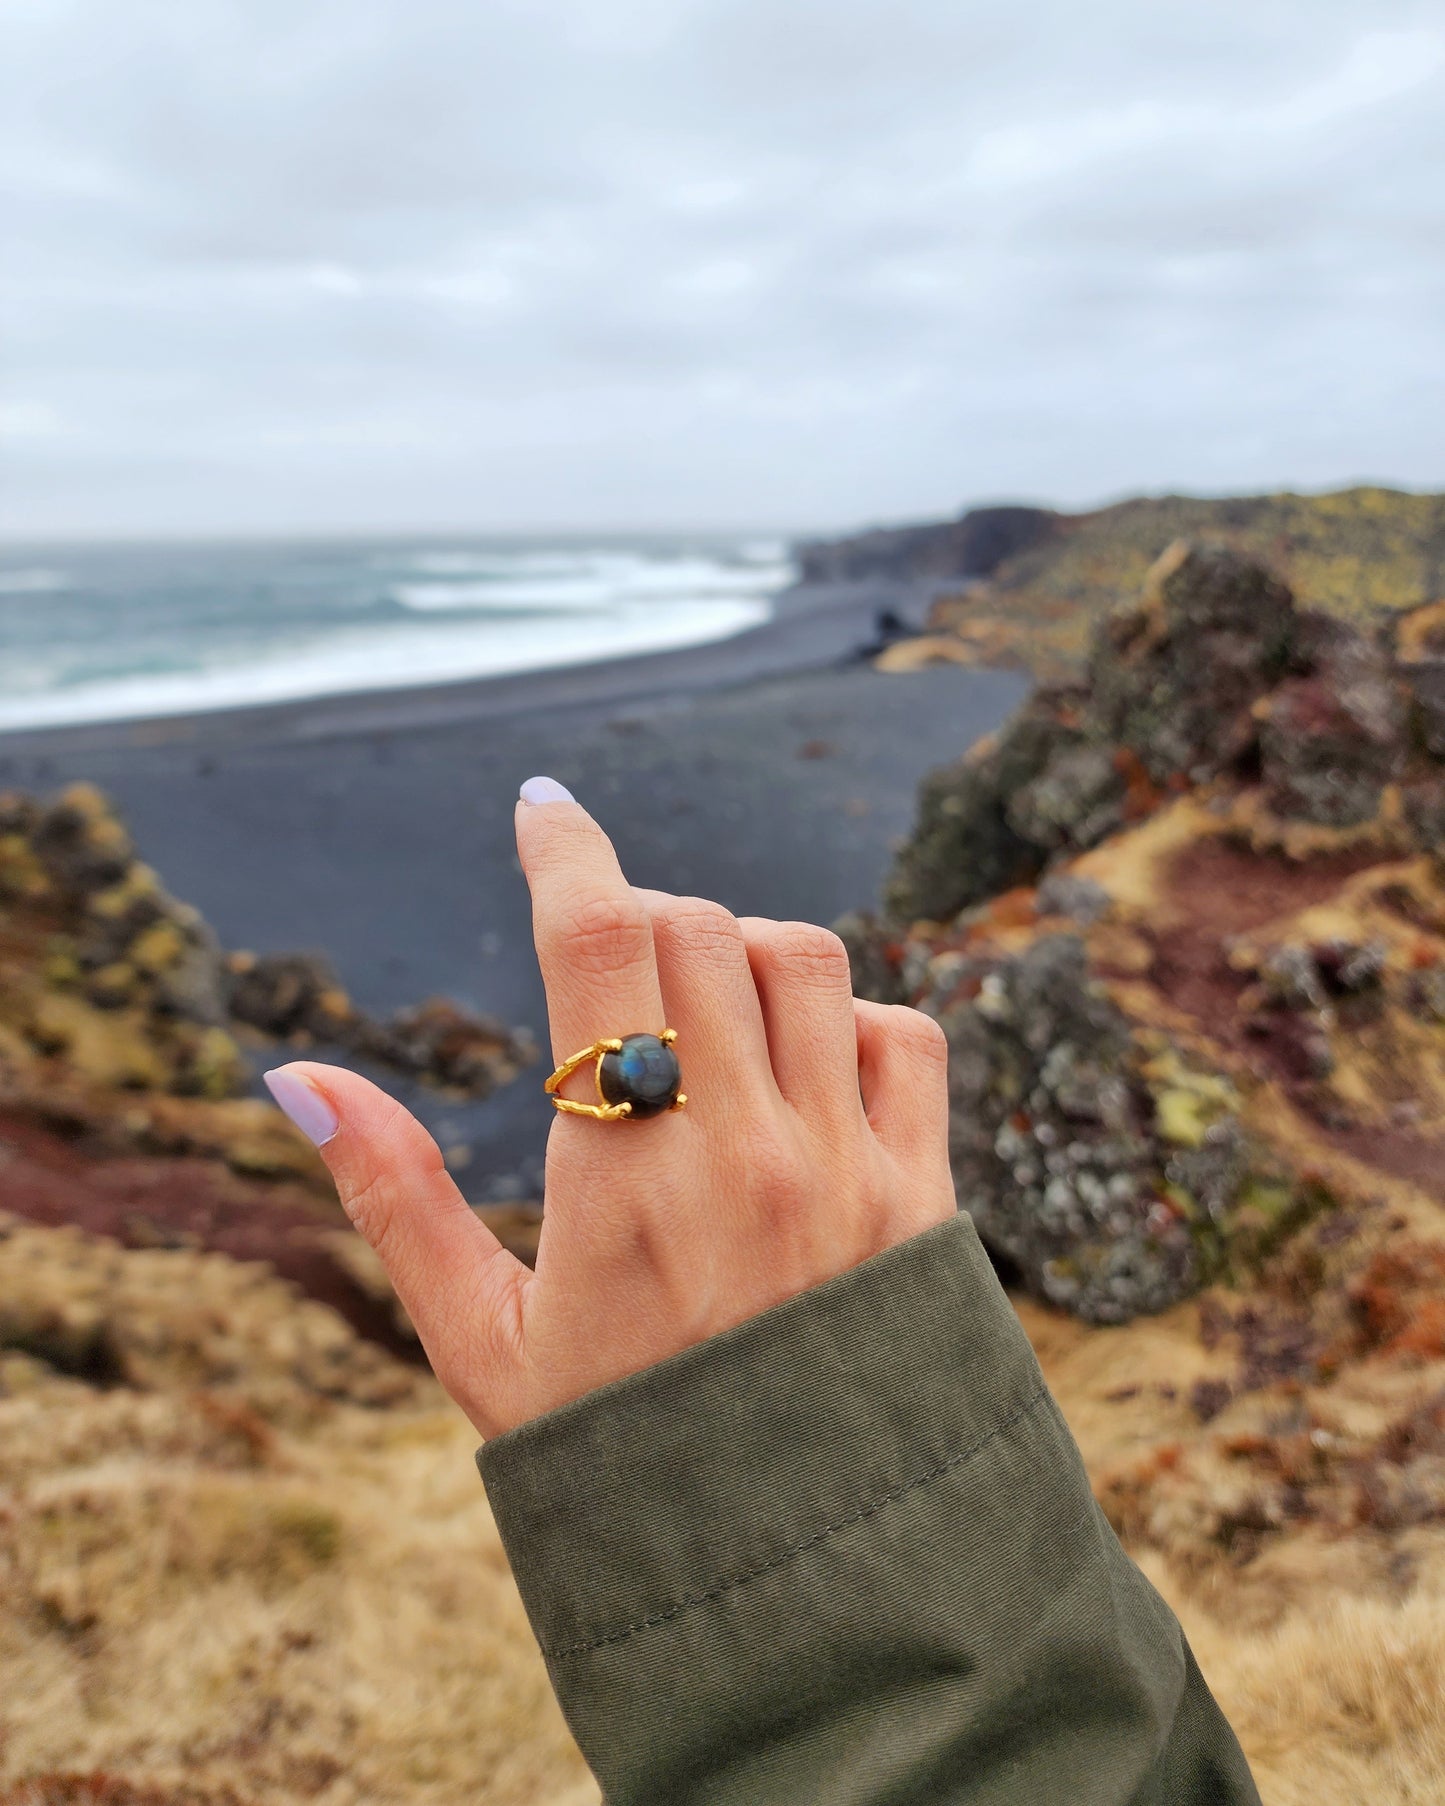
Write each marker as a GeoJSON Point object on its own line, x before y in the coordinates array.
{"type": "Point", "coordinates": [281, 266]}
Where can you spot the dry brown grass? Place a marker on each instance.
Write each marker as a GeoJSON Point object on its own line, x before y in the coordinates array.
{"type": "Point", "coordinates": [1342, 1703]}
{"type": "Point", "coordinates": [1326, 1651]}
{"type": "Point", "coordinates": [245, 1558]}
{"type": "Point", "coordinates": [236, 1576]}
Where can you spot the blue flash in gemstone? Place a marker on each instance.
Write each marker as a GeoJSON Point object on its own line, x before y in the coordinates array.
{"type": "Point", "coordinates": [645, 1074]}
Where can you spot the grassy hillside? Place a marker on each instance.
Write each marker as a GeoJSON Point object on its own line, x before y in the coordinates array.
{"type": "Point", "coordinates": [1360, 553]}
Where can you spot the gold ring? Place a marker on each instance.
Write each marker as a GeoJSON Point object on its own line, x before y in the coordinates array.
{"type": "Point", "coordinates": [637, 1076]}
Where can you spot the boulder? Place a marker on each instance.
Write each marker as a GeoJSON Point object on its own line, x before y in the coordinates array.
{"type": "Point", "coordinates": [1175, 676]}
{"type": "Point", "coordinates": [80, 841]}
{"type": "Point", "coordinates": [288, 994]}
{"type": "Point", "coordinates": [964, 846]}
{"type": "Point", "coordinates": [1098, 1187]}
{"type": "Point", "coordinates": [133, 986]}
{"type": "Point", "coordinates": [1100, 1164]}
{"type": "Point", "coordinates": [450, 1046]}
{"type": "Point", "coordinates": [1335, 734]}
{"type": "Point", "coordinates": [874, 954]}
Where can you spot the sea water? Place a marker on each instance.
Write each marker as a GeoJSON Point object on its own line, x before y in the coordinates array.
{"type": "Point", "coordinates": [105, 633]}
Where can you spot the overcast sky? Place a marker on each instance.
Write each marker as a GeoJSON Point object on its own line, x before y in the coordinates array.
{"type": "Point", "coordinates": [392, 264]}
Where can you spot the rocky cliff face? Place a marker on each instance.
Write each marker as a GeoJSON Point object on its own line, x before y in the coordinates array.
{"type": "Point", "coordinates": [1184, 924]}
{"type": "Point", "coordinates": [1027, 586]}
{"type": "Point", "coordinates": [972, 546]}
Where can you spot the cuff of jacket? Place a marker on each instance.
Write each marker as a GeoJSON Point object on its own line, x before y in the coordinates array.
{"type": "Point", "coordinates": [653, 1496]}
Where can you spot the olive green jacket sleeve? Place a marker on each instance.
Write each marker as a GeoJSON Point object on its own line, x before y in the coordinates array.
{"type": "Point", "coordinates": [846, 1555]}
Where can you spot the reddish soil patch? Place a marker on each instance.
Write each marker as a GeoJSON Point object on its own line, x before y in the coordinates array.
{"type": "Point", "coordinates": [1417, 1159]}
{"type": "Point", "coordinates": [155, 1201]}
{"type": "Point", "coordinates": [1226, 889]}
{"type": "Point", "coordinates": [1216, 890]}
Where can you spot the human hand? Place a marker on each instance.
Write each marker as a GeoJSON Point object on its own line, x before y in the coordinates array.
{"type": "Point", "coordinates": [815, 1135]}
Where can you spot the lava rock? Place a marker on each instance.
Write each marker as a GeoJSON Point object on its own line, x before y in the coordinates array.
{"type": "Point", "coordinates": [80, 842]}
{"type": "Point", "coordinates": [286, 994]}
{"type": "Point", "coordinates": [1054, 1144]}
{"type": "Point", "coordinates": [1175, 677]}
{"type": "Point", "coordinates": [964, 847]}
{"type": "Point", "coordinates": [1334, 736]}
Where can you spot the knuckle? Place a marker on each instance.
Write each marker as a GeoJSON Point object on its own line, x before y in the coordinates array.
{"type": "Point", "coordinates": [608, 932]}
{"type": "Point", "coordinates": [372, 1200]}
{"type": "Point", "coordinates": [816, 953]}
{"type": "Point", "coordinates": [699, 926]}
{"type": "Point", "coordinates": [570, 836]}
{"type": "Point", "coordinates": [923, 1035]}
{"type": "Point", "coordinates": [369, 1207]}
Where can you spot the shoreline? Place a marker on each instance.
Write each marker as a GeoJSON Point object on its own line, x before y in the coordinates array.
{"type": "Point", "coordinates": [812, 625]}
{"type": "Point", "coordinates": [772, 770]}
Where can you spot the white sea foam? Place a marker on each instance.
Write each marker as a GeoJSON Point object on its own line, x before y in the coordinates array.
{"type": "Point", "coordinates": [360, 660]}
{"type": "Point", "coordinates": [37, 582]}
{"type": "Point", "coordinates": [595, 581]}
{"type": "Point", "coordinates": [151, 631]}
{"type": "Point", "coordinates": [507, 563]}
{"type": "Point", "coordinates": [563, 594]}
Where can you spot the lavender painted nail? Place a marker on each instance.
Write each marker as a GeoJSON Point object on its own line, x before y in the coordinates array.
{"type": "Point", "coordinates": [546, 790]}
{"type": "Point", "coordinates": [304, 1104]}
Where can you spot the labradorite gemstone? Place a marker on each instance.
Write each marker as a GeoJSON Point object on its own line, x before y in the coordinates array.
{"type": "Point", "coordinates": [645, 1073]}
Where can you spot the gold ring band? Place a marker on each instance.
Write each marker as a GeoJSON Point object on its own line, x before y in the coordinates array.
{"type": "Point", "coordinates": [637, 1076]}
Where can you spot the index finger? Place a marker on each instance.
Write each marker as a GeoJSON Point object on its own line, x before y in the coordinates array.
{"type": "Point", "coordinates": [593, 933]}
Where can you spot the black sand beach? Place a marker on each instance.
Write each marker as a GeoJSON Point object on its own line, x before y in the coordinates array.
{"type": "Point", "coordinates": [771, 771]}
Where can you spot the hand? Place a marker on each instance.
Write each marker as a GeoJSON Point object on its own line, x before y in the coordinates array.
{"type": "Point", "coordinates": [815, 1135]}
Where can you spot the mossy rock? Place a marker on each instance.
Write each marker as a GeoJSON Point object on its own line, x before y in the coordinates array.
{"type": "Point", "coordinates": [1188, 1103]}
{"type": "Point", "coordinates": [157, 948]}
{"type": "Point", "coordinates": [111, 1048]}
{"type": "Point", "coordinates": [22, 876]}
{"type": "Point", "coordinates": [208, 1064]}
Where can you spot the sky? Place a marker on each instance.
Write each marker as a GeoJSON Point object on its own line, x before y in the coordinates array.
{"type": "Point", "coordinates": [277, 266]}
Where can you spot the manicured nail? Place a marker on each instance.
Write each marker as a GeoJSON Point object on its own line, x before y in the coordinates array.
{"type": "Point", "coordinates": [304, 1104]}
{"type": "Point", "coordinates": [546, 790]}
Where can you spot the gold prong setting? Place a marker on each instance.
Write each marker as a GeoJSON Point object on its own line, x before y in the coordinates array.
{"type": "Point", "coordinates": [636, 1076]}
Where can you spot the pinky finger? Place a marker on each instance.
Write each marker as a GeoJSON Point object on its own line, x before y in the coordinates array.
{"type": "Point", "coordinates": [903, 1077]}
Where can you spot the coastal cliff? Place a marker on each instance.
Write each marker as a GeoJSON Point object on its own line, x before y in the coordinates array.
{"type": "Point", "coordinates": [1025, 586]}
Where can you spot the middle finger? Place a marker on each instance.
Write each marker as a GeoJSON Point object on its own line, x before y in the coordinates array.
{"type": "Point", "coordinates": [712, 1002]}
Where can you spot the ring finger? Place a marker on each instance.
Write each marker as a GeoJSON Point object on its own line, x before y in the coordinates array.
{"type": "Point", "coordinates": [805, 988]}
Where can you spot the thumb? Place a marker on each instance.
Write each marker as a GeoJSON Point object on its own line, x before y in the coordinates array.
{"type": "Point", "coordinates": [458, 1283]}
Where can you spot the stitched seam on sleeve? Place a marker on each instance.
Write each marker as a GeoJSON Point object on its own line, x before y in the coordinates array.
{"type": "Point", "coordinates": [808, 1542]}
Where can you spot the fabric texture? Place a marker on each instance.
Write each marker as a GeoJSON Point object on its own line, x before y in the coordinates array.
{"type": "Point", "coordinates": [846, 1554]}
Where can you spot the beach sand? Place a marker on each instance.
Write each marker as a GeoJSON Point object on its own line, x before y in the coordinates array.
{"type": "Point", "coordinates": [772, 771]}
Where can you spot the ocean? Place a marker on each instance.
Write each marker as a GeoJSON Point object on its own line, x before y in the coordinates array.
{"type": "Point", "coordinates": [110, 633]}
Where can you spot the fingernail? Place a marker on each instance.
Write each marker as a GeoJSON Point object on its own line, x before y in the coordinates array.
{"type": "Point", "coordinates": [546, 790]}
{"type": "Point", "coordinates": [304, 1104]}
